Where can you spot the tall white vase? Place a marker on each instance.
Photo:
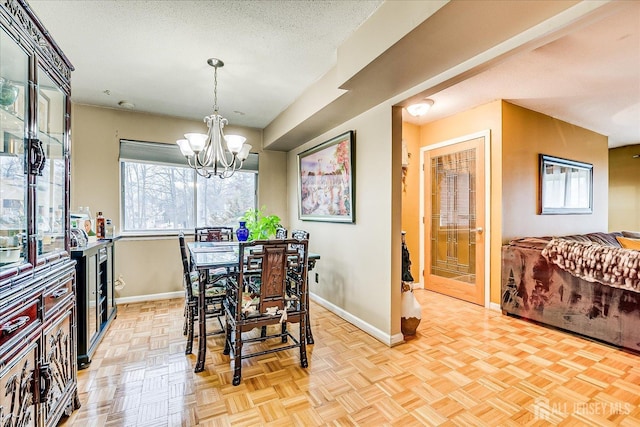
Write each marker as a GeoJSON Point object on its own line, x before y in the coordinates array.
{"type": "Point", "coordinates": [411, 312]}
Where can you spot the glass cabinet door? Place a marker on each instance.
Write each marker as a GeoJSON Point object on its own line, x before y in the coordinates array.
{"type": "Point", "coordinates": [13, 179]}
{"type": "Point", "coordinates": [50, 185]}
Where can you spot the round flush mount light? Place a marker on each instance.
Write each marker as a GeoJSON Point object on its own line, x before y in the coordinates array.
{"type": "Point", "coordinates": [127, 105]}
{"type": "Point", "coordinates": [421, 108]}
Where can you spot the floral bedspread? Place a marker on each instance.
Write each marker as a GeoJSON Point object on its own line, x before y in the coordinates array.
{"type": "Point", "coordinates": [593, 262]}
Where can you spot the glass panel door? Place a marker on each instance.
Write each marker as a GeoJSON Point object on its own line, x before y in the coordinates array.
{"type": "Point", "coordinates": [50, 186]}
{"type": "Point", "coordinates": [454, 219]}
{"type": "Point", "coordinates": [13, 180]}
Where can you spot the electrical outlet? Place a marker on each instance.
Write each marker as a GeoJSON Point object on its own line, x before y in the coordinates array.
{"type": "Point", "coordinates": [317, 277]}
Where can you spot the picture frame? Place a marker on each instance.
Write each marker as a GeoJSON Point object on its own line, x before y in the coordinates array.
{"type": "Point", "coordinates": [326, 185]}
{"type": "Point", "coordinates": [565, 186]}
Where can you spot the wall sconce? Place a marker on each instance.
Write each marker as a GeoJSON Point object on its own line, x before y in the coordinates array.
{"type": "Point", "coordinates": [421, 108]}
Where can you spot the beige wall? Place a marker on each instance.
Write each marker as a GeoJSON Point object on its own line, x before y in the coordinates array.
{"type": "Point", "coordinates": [624, 188]}
{"type": "Point", "coordinates": [411, 196]}
{"type": "Point", "coordinates": [149, 266]}
{"type": "Point", "coordinates": [526, 134]}
{"type": "Point", "coordinates": [359, 261]}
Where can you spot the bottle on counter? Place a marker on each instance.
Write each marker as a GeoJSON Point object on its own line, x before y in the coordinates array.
{"type": "Point", "coordinates": [108, 231]}
{"type": "Point", "coordinates": [100, 226]}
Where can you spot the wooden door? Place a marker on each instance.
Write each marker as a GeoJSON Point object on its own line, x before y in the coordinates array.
{"type": "Point", "coordinates": [454, 205]}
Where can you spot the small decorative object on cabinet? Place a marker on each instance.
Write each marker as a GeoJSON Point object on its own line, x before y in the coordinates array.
{"type": "Point", "coordinates": [38, 371]}
{"type": "Point", "coordinates": [410, 307]}
{"type": "Point", "coordinates": [96, 295]}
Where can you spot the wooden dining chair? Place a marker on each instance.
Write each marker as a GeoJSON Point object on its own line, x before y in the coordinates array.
{"type": "Point", "coordinates": [262, 293]}
{"type": "Point", "coordinates": [304, 235]}
{"type": "Point", "coordinates": [214, 293]}
{"type": "Point", "coordinates": [213, 234]}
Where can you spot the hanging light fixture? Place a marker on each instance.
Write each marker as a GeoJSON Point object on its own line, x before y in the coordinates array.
{"type": "Point", "coordinates": [214, 153]}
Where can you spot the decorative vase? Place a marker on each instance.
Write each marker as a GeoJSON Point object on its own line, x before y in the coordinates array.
{"type": "Point", "coordinates": [411, 313]}
{"type": "Point", "coordinates": [8, 93]}
{"type": "Point", "coordinates": [242, 233]}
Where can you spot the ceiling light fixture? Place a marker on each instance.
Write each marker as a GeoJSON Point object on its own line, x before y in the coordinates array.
{"type": "Point", "coordinates": [214, 153]}
{"type": "Point", "coordinates": [421, 108]}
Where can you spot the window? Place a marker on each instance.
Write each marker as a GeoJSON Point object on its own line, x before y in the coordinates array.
{"type": "Point", "coordinates": [161, 193]}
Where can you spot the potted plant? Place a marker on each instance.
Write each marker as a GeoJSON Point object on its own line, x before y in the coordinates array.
{"type": "Point", "coordinates": [261, 226]}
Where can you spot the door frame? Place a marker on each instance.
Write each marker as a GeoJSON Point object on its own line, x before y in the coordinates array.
{"type": "Point", "coordinates": [486, 134]}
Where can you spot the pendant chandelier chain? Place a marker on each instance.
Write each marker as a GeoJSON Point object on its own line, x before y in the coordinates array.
{"type": "Point", "coordinates": [215, 89]}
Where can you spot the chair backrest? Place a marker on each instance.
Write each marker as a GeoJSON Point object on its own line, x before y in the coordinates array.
{"type": "Point", "coordinates": [271, 261]}
{"type": "Point", "coordinates": [186, 267]}
{"type": "Point", "coordinates": [281, 232]}
{"type": "Point", "coordinates": [213, 234]}
{"type": "Point", "coordinates": [300, 234]}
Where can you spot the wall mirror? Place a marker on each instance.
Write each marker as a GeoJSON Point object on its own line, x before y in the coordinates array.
{"type": "Point", "coordinates": [566, 186]}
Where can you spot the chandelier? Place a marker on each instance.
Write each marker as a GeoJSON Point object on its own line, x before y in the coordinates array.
{"type": "Point", "coordinates": [214, 153]}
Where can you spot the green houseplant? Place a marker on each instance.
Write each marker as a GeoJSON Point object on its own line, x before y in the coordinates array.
{"type": "Point", "coordinates": [261, 226]}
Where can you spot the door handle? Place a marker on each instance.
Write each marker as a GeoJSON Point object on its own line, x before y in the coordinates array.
{"type": "Point", "coordinates": [478, 230]}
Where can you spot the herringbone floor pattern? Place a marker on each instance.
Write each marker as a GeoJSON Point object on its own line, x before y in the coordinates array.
{"type": "Point", "coordinates": [467, 366]}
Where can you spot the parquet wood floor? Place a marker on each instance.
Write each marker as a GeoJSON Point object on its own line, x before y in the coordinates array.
{"type": "Point", "coordinates": [467, 366]}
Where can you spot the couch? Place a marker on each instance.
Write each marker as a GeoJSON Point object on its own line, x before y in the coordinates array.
{"type": "Point", "coordinates": [587, 284]}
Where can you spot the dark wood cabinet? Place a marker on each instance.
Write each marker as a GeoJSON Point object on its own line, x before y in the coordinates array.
{"type": "Point", "coordinates": [96, 297]}
{"type": "Point", "coordinates": [38, 363]}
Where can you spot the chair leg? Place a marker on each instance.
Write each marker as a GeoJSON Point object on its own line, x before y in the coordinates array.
{"type": "Point", "coordinates": [303, 343]}
{"type": "Point", "coordinates": [190, 321]}
{"type": "Point", "coordinates": [283, 331]}
{"type": "Point", "coordinates": [263, 332]}
{"type": "Point", "coordinates": [237, 357]}
{"type": "Point", "coordinates": [185, 327]}
{"type": "Point", "coordinates": [308, 327]}
{"type": "Point", "coordinates": [227, 338]}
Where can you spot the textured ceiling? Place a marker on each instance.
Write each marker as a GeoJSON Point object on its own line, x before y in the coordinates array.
{"type": "Point", "coordinates": [154, 53]}
{"type": "Point", "coordinates": [589, 77]}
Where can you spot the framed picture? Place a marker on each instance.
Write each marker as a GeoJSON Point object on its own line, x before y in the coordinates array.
{"type": "Point", "coordinates": [326, 180]}
{"type": "Point", "coordinates": [566, 186]}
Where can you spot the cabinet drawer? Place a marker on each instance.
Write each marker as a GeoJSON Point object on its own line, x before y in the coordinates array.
{"type": "Point", "coordinates": [57, 294]}
{"type": "Point", "coordinates": [15, 323]}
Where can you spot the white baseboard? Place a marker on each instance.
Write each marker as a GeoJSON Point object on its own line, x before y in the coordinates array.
{"type": "Point", "coordinates": [495, 306]}
{"type": "Point", "coordinates": [381, 336]}
{"type": "Point", "coordinates": [150, 297]}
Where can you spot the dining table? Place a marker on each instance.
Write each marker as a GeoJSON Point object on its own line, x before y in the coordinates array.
{"type": "Point", "coordinates": [206, 256]}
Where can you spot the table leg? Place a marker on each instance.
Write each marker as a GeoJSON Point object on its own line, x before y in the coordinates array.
{"type": "Point", "coordinates": [202, 323]}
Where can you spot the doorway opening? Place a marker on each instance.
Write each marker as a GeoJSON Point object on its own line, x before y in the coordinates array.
{"type": "Point", "coordinates": [449, 216]}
